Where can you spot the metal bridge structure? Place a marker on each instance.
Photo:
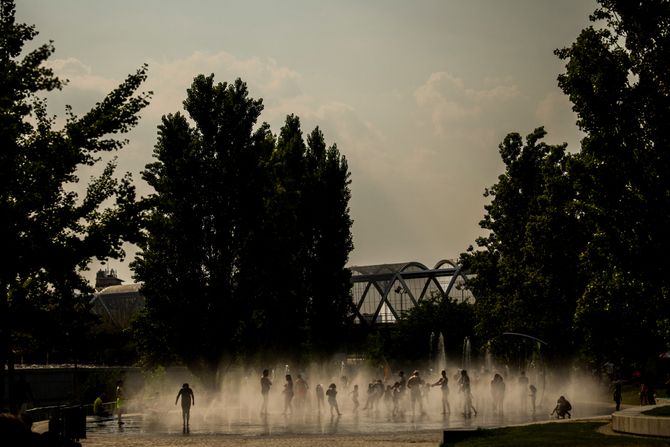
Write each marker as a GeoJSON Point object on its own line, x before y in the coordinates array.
{"type": "Point", "coordinates": [382, 293]}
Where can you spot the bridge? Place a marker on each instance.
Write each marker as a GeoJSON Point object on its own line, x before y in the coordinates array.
{"type": "Point", "coordinates": [382, 293]}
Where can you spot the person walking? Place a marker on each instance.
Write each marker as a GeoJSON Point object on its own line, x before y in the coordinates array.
{"type": "Point", "coordinates": [266, 384]}
{"type": "Point", "coordinates": [187, 399]}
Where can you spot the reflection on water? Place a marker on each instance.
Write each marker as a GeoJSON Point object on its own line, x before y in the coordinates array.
{"type": "Point", "coordinates": [235, 421]}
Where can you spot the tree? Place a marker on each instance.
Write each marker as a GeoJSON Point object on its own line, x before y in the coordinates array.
{"type": "Point", "coordinates": [525, 278]}
{"type": "Point", "coordinates": [201, 220]}
{"type": "Point", "coordinates": [617, 76]}
{"type": "Point", "coordinates": [49, 232]}
{"type": "Point", "coordinates": [247, 237]}
{"type": "Point", "coordinates": [410, 338]}
{"type": "Point", "coordinates": [311, 196]}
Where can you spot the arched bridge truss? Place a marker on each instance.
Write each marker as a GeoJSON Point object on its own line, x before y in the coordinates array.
{"type": "Point", "coordinates": [382, 293]}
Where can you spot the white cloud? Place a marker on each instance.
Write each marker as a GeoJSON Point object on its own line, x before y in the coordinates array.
{"type": "Point", "coordinates": [448, 100]}
{"type": "Point", "coordinates": [80, 75]}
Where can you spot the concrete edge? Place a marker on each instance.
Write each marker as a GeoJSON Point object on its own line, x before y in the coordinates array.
{"type": "Point", "coordinates": [631, 420]}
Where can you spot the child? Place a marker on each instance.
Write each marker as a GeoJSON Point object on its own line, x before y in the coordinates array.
{"type": "Point", "coordinates": [563, 408]}
{"type": "Point", "coordinates": [332, 399]}
{"type": "Point", "coordinates": [319, 397]}
{"type": "Point", "coordinates": [533, 395]}
{"type": "Point", "coordinates": [354, 398]}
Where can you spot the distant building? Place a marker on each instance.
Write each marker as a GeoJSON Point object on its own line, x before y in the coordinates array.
{"type": "Point", "coordinates": [106, 278]}
{"type": "Point", "coordinates": [381, 293]}
{"type": "Point", "coordinates": [116, 303]}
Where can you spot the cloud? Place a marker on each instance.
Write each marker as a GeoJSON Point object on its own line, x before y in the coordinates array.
{"type": "Point", "coordinates": [554, 111]}
{"type": "Point", "coordinates": [265, 77]}
{"type": "Point", "coordinates": [448, 100]}
{"type": "Point", "coordinates": [80, 75]}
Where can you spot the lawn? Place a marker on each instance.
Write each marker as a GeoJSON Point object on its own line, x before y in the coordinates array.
{"type": "Point", "coordinates": [555, 434]}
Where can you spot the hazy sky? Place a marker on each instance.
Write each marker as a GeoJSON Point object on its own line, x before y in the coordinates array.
{"type": "Point", "coordinates": [416, 94]}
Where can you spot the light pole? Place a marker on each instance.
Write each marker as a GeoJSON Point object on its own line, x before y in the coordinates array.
{"type": "Point", "coordinates": [400, 290]}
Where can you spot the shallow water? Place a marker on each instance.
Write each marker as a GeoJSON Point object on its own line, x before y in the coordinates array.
{"type": "Point", "coordinates": [240, 421]}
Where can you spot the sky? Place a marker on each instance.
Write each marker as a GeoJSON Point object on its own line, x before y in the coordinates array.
{"type": "Point", "coordinates": [417, 95]}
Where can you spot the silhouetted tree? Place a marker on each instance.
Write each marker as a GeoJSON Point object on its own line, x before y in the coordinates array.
{"type": "Point", "coordinates": [311, 197]}
{"type": "Point", "coordinates": [618, 78]}
{"type": "Point", "coordinates": [201, 218]}
{"type": "Point", "coordinates": [410, 338]}
{"type": "Point", "coordinates": [235, 252]}
{"type": "Point", "coordinates": [525, 277]}
{"type": "Point", "coordinates": [49, 232]}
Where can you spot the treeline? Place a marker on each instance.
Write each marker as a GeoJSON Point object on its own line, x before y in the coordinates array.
{"type": "Point", "coordinates": [576, 251]}
{"type": "Point", "coordinates": [243, 242]}
{"type": "Point", "coordinates": [247, 237]}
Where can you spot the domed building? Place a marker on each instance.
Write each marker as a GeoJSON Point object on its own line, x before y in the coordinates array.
{"type": "Point", "coordinates": [116, 303]}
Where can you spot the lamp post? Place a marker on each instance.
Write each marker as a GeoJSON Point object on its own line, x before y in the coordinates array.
{"type": "Point", "coordinates": [400, 290]}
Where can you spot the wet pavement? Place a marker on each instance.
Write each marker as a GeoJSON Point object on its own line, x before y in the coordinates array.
{"type": "Point", "coordinates": [236, 421]}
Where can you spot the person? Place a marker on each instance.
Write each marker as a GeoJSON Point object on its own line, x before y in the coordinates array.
{"type": "Point", "coordinates": [288, 394]}
{"type": "Point", "coordinates": [354, 398]}
{"type": "Point", "coordinates": [300, 392]}
{"type": "Point", "coordinates": [119, 400]}
{"type": "Point", "coordinates": [443, 383]}
{"type": "Point", "coordinates": [187, 398]}
{"type": "Point", "coordinates": [266, 383]}
{"type": "Point", "coordinates": [414, 385]}
{"type": "Point", "coordinates": [644, 394]}
{"type": "Point", "coordinates": [319, 397]}
{"type": "Point", "coordinates": [332, 399]}
{"type": "Point", "coordinates": [99, 406]}
{"type": "Point", "coordinates": [562, 408]}
{"type": "Point", "coordinates": [523, 386]}
{"type": "Point", "coordinates": [617, 394]}
{"type": "Point", "coordinates": [533, 397]}
{"type": "Point", "coordinates": [498, 393]}
{"type": "Point", "coordinates": [464, 384]}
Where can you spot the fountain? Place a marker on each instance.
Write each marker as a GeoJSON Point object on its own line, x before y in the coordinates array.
{"type": "Point", "coordinates": [234, 409]}
{"type": "Point", "coordinates": [467, 353]}
{"type": "Point", "coordinates": [441, 357]}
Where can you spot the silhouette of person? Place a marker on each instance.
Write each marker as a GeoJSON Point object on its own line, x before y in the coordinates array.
{"type": "Point", "coordinates": [617, 395]}
{"type": "Point", "coordinates": [498, 392]}
{"type": "Point", "coordinates": [523, 386]}
{"type": "Point", "coordinates": [187, 398]}
{"type": "Point", "coordinates": [414, 385]}
{"type": "Point", "coordinates": [443, 383]}
{"type": "Point", "coordinates": [288, 394]}
{"type": "Point", "coordinates": [464, 383]}
{"type": "Point", "coordinates": [533, 396]}
{"type": "Point", "coordinates": [266, 383]}
{"type": "Point", "coordinates": [332, 399]}
{"type": "Point", "coordinates": [562, 408]}
{"type": "Point", "coordinates": [320, 397]}
{"type": "Point", "coordinates": [98, 406]}
{"type": "Point", "coordinates": [119, 400]}
{"type": "Point", "coordinates": [354, 398]}
{"type": "Point", "coordinates": [300, 389]}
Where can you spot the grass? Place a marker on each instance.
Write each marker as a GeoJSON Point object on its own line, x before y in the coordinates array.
{"type": "Point", "coordinates": [573, 434]}
{"type": "Point", "coordinates": [658, 411]}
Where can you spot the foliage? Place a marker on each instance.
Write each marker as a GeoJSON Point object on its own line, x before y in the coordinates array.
{"type": "Point", "coordinates": [49, 231]}
{"type": "Point", "coordinates": [617, 77]}
{"type": "Point", "coordinates": [524, 277]}
{"type": "Point", "coordinates": [410, 338]}
{"type": "Point", "coordinates": [247, 236]}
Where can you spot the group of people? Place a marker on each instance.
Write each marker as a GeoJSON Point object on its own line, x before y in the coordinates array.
{"type": "Point", "coordinates": [397, 397]}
